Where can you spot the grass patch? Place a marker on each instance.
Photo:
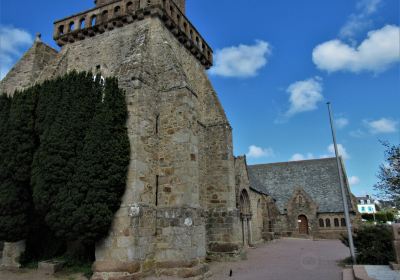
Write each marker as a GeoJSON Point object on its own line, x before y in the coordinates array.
{"type": "Point", "coordinates": [73, 266]}
{"type": "Point", "coordinates": [30, 264]}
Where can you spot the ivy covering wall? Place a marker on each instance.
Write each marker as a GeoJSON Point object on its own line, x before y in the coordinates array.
{"type": "Point", "coordinates": [64, 155]}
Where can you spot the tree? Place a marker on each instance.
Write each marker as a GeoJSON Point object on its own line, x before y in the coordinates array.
{"type": "Point", "coordinates": [66, 107]}
{"type": "Point", "coordinates": [18, 146]}
{"type": "Point", "coordinates": [84, 210]}
{"type": "Point", "coordinates": [389, 172]}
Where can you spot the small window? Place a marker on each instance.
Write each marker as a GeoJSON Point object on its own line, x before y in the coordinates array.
{"type": "Point", "coordinates": [368, 201]}
{"type": "Point", "coordinates": [117, 11]}
{"type": "Point", "coordinates": [321, 222]}
{"type": "Point", "coordinates": [129, 6]}
{"type": "Point", "coordinates": [104, 16]}
{"type": "Point", "coordinates": [157, 189]}
{"type": "Point", "coordinates": [93, 20]}
{"type": "Point", "coordinates": [61, 30]}
{"type": "Point", "coordinates": [82, 23]}
{"type": "Point", "coordinates": [157, 124]}
{"type": "Point", "coordinates": [71, 26]}
{"type": "Point", "coordinates": [300, 200]}
{"type": "Point", "coordinates": [363, 209]}
{"type": "Point", "coordinates": [328, 222]}
{"type": "Point", "coordinates": [362, 201]}
{"type": "Point", "coordinates": [343, 222]}
{"type": "Point", "coordinates": [336, 222]}
{"type": "Point", "coordinates": [370, 209]}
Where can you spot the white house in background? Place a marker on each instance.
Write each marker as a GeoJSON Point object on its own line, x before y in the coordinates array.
{"type": "Point", "coordinates": [367, 205]}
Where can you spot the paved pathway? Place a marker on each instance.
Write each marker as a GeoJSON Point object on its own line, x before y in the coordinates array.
{"type": "Point", "coordinates": [382, 272]}
{"type": "Point", "coordinates": [284, 259]}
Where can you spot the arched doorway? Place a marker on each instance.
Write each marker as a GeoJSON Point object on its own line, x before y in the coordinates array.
{"type": "Point", "coordinates": [303, 224]}
{"type": "Point", "coordinates": [245, 216]}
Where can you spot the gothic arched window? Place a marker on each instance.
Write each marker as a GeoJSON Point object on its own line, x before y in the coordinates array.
{"type": "Point", "coordinates": [328, 222]}
{"type": "Point", "coordinates": [336, 222]}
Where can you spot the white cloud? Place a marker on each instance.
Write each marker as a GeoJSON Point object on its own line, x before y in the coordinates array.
{"type": "Point", "coordinates": [298, 157]}
{"type": "Point", "coordinates": [357, 133]}
{"type": "Point", "coordinates": [11, 41]}
{"type": "Point", "coordinates": [258, 152]}
{"type": "Point", "coordinates": [341, 149]}
{"type": "Point", "coordinates": [354, 180]}
{"type": "Point", "coordinates": [304, 96]}
{"type": "Point", "coordinates": [359, 21]}
{"type": "Point", "coordinates": [241, 61]}
{"type": "Point", "coordinates": [382, 125]}
{"type": "Point", "coordinates": [341, 122]}
{"type": "Point", "coordinates": [376, 53]}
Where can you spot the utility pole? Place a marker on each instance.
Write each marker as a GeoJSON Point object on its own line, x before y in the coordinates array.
{"type": "Point", "coordinates": [344, 196]}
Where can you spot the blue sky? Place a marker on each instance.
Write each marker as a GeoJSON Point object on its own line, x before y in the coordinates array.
{"type": "Point", "coordinates": [277, 63]}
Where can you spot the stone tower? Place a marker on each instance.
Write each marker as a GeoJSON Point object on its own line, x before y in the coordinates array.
{"type": "Point", "coordinates": [180, 202]}
{"type": "Point", "coordinates": [180, 3]}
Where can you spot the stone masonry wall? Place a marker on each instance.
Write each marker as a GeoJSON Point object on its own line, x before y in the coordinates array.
{"type": "Point", "coordinates": [181, 153]}
{"type": "Point", "coordinates": [26, 71]}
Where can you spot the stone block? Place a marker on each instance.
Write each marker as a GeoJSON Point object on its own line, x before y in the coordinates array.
{"type": "Point", "coordinates": [50, 267]}
{"type": "Point", "coordinates": [223, 247]}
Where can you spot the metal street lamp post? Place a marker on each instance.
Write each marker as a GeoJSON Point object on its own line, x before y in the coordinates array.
{"type": "Point", "coordinates": [344, 196]}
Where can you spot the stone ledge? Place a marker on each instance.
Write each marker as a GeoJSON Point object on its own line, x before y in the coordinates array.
{"type": "Point", "coordinates": [196, 272]}
{"type": "Point", "coordinates": [116, 266]}
{"type": "Point", "coordinates": [177, 264]}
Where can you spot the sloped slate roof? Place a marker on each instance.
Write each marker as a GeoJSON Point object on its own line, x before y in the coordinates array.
{"type": "Point", "coordinates": [319, 178]}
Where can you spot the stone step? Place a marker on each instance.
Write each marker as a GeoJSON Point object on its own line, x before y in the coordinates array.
{"type": "Point", "coordinates": [348, 274]}
{"type": "Point", "coordinates": [360, 273]}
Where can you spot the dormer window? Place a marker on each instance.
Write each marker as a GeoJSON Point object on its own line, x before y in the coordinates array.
{"type": "Point", "coordinates": [362, 201]}
{"type": "Point", "coordinates": [368, 201]}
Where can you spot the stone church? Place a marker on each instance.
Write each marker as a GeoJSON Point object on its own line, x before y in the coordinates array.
{"type": "Point", "coordinates": [187, 199]}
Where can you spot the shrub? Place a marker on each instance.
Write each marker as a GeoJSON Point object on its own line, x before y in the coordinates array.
{"type": "Point", "coordinates": [373, 244]}
{"type": "Point", "coordinates": [368, 217]}
{"type": "Point", "coordinates": [381, 217]}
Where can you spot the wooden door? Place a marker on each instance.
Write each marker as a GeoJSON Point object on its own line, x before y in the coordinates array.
{"type": "Point", "coordinates": [303, 224]}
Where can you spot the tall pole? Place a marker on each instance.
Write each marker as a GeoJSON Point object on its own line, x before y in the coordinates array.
{"type": "Point", "coordinates": [344, 196]}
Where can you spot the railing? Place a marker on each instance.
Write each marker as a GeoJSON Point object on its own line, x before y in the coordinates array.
{"type": "Point", "coordinates": [121, 12]}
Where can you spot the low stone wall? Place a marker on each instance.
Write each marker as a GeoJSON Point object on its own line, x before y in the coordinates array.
{"type": "Point", "coordinates": [11, 254]}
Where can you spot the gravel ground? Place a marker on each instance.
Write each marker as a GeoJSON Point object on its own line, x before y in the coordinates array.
{"type": "Point", "coordinates": [283, 259]}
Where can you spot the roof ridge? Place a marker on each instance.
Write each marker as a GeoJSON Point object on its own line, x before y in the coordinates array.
{"type": "Point", "coordinates": [292, 162]}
